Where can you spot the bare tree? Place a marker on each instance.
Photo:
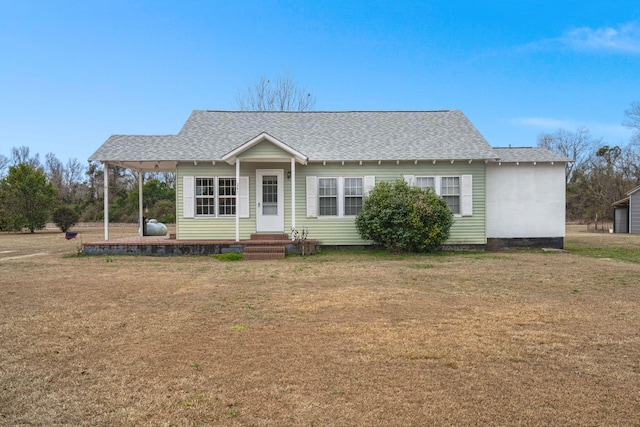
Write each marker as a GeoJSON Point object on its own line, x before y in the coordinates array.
{"type": "Point", "coordinates": [4, 164]}
{"type": "Point", "coordinates": [577, 146]}
{"type": "Point", "coordinates": [633, 121]}
{"type": "Point", "coordinates": [55, 174]}
{"type": "Point", "coordinates": [22, 154]}
{"type": "Point", "coordinates": [73, 171]}
{"type": "Point", "coordinates": [280, 94]}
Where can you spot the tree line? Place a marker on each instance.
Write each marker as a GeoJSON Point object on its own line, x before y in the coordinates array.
{"type": "Point", "coordinates": [34, 192]}
{"type": "Point", "coordinates": [601, 173]}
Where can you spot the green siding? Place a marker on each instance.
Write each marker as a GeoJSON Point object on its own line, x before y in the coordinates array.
{"type": "Point", "coordinates": [264, 150]}
{"type": "Point", "coordinates": [327, 231]}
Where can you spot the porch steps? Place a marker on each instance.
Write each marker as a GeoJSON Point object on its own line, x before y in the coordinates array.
{"type": "Point", "coordinates": [270, 236]}
{"type": "Point", "coordinates": [266, 246]}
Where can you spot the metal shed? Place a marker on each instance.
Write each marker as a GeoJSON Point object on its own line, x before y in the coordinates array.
{"type": "Point", "coordinates": [621, 216]}
{"type": "Point", "coordinates": [626, 213]}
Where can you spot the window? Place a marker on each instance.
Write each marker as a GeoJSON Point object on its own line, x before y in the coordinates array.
{"type": "Point", "coordinates": [215, 197]}
{"type": "Point", "coordinates": [270, 195]}
{"type": "Point", "coordinates": [353, 196]}
{"type": "Point", "coordinates": [340, 196]}
{"type": "Point", "coordinates": [337, 197]}
{"type": "Point", "coordinates": [426, 182]}
{"type": "Point", "coordinates": [457, 191]}
{"type": "Point", "coordinates": [226, 196]}
{"type": "Point", "coordinates": [328, 196]}
{"type": "Point", "coordinates": [205, 196]}
{"type": "Point", "coordinates": [450, 192]}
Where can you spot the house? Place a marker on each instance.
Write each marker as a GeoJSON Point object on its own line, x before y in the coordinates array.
{"type": "Point", "coordinates": [239, 173]}
{"type": "Point", "coordinates": [626, 213]}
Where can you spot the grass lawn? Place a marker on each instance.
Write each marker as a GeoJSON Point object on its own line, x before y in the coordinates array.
{"type": "Point", "coordinates": [337, 338]}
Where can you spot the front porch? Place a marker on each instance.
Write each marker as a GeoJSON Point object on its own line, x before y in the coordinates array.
{"type": "Point", "coordinates": [259, 246]}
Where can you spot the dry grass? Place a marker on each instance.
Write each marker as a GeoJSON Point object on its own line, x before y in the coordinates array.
{"type": "Point", "coordinates": [513, 338]}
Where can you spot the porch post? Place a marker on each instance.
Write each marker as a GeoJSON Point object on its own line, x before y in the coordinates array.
{"type": "Point", "coordinates": [141, 218]}
{"type": "Point", "coordinates": [106, 200]}
{"type": "Point", "coordinates": [293, 194]}
{"type": "Point", "coordinates": [237, 197]}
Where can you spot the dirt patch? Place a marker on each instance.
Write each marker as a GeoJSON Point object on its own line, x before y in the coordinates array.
{"type": "Point", "coordinates": [526, 338]}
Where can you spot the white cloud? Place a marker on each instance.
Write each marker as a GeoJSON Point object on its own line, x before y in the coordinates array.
{"type": "Point", "coordinates": [623, 39]}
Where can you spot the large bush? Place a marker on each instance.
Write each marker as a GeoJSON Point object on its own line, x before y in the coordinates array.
{"type": "Point", "coordinates": [65, 217]}
{"type": "Point", "coordinates": [403, 218]}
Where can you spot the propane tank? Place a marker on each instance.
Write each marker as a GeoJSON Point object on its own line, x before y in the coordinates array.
{"type": "Point", "coordinates": [155, 228]}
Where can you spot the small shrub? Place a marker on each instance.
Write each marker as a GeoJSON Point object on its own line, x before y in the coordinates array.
{"type": "Point", "coordinates": [65, 218]}
{"type": "Point", "coordinates": [403, 218]}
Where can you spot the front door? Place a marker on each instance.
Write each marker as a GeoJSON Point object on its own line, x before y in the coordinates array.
{"type": "Point", "coordinates": [270, 200]}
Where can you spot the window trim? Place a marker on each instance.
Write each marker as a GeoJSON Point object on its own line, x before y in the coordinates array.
{"type": "Point", "coordinates": [340, 196]}
{"type": "Point", "coordinates": [204, 196]}
{"type": "Point", "coordinates": [459, 195]}
{"type": "Point", "coordinates": [344, 195]}
{"type": "Point", "coordinates": [437, 181]}
{"type": "Point", "coordinates": [216, 196]}
{"type": "Point", "coordinates": [337, 196]}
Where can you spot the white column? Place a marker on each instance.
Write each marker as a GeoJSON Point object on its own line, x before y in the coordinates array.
{"type": "Point", "coordinates": [293, 193]}
{"type": "Point", "coordinates": [237, 198]}
{"type": "Point", "coordinates": [106, 201]}
{"type": "Point", "coordinates": [140, 174]}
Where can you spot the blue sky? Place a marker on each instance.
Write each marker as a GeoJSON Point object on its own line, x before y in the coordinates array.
{"type": "Point", "coordinates": [74, 72]}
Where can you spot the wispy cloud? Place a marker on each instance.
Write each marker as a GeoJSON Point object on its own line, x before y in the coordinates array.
{"type": "Point", "coordinates": [625, 38]}
{"type": "Point", "coordinates": [622, 39]}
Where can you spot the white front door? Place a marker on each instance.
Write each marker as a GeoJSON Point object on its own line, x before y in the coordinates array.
{"type": "Point", "coordinates": [270, 200]}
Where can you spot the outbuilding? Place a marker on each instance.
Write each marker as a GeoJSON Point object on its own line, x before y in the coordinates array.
{"type": "Point", "coordinates": [626, 213]}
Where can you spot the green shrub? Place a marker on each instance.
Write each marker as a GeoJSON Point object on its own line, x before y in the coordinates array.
{"type": "Point", "coordinates": [403, 218]}
{"type": "Point", "coordinates": [65, 217]}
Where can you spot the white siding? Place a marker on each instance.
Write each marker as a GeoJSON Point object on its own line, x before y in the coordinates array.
{"type": "Point", "coordinates": [526, 200]}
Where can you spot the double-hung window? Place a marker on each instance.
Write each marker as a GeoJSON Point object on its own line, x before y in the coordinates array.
{"type": "Point", "coordinates": [455, 190]}
{"type": "Point", "coordinates": [207, 197]}
{"type": "Point", "coordinates": [353, 196]}
{"type": "Point", "coordinates": [426, 183]}
{"type": "Point", "coordinates": [450, 192]}
{"type": "Point", "coordinates": [226, 196]}
{"type": "Point", "coordinates": [328, 196]}
{"type": "Point", "coordinates": [340, 196]}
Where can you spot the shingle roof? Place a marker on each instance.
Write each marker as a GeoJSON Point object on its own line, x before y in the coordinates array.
{"type": "Point", "coordinates": [347, 135]}
{"type": "Point", "coordinates": [528, 154]}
